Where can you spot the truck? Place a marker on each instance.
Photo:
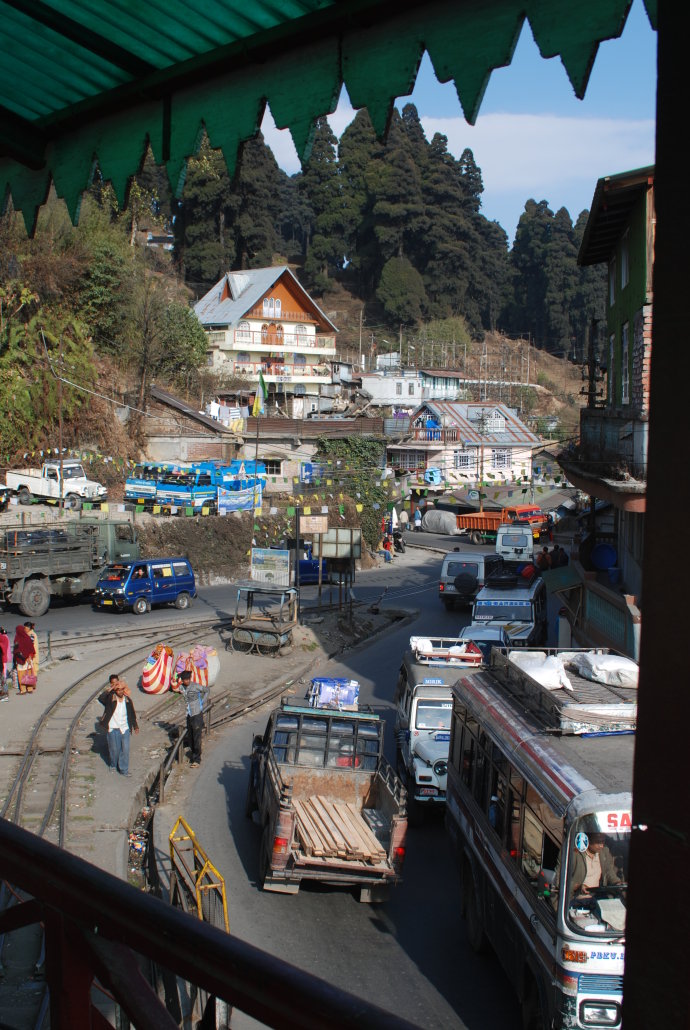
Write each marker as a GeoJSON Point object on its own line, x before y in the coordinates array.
{"type": "Point", "coordinates": [423, 705]}
{"type": "Point", "coordinates": [482, 526]}
{"type": "Point", "coordinates": [332, 808]}
{"type": "Point", "coordinates": [61, 560]}
{"type": "Point", "coordinates": [46, 484]}
{"type": "Point", "coordinates": [192, 485]}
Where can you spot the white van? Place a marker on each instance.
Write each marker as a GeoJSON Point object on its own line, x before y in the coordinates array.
{"type": "Point", "coordinates": [518, 605]}
{"type": "Point", "coordinates": [515, 543]}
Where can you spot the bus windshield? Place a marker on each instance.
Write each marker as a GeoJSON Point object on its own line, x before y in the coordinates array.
{"type": "Point", "coordinates": [432, 714]}
{"type": "Point", "coordinates": [597, 876]}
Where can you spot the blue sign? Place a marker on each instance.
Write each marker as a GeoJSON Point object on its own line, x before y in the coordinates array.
{"type": "Point", "coordinates": [240, 500]}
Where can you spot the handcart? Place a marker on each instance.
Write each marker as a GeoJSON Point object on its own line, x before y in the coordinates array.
{"type": "Point", "coordinates": [264, 619]}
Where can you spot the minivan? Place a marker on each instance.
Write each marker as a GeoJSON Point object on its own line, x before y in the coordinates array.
{"type": "Point", "coordinates": [515, 543]}
{"type": "Point", "coordinates": [463, 574]}
{"type": "Point", "coordinates": [518, 604]}
{"type": "Point", "coordinates": [140, 584]}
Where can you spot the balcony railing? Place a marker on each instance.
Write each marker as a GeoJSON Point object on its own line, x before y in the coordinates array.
{"type": "Point", "coordinates": [277, 373]}
{"type": "Point", "coordinates": [608, 437]}
{"type": "Point", "coordinates": [255, 340]}
{"type": "Point", "coordinates": [436, 435]}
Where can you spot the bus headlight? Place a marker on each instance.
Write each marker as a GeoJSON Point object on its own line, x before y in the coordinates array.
{"type": "Point", "coordinates": [600, 1013]}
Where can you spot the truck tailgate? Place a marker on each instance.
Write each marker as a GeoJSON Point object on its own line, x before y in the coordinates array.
{"type": "Point", "coordinates": [335, 829]}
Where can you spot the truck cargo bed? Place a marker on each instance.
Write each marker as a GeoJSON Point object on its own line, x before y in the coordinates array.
{"type": "Point", "coordinates": [333, 829]}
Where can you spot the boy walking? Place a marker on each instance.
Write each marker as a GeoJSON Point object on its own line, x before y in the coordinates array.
{"type": "Point", "coordinates": [196, 696]}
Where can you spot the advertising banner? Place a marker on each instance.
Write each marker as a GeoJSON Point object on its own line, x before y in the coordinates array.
{"type": "Point", "coordinates": [239, 500]}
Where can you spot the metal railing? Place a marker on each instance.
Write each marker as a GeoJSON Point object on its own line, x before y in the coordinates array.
{"type": "Point", "coordinates": [98, 926]}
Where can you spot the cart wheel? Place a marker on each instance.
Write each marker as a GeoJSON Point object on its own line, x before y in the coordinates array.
{"type": "Point", "coordinates": [242, 640]}
{"type": "Point", "coordinates": [268, 644]}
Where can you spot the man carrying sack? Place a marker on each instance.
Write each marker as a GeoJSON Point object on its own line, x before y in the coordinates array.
{"type": "Point", "coordinates": [196, 696]}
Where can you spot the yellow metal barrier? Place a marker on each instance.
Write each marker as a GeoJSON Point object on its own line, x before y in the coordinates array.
{"type": "Point", "coordinates": [193, 875]}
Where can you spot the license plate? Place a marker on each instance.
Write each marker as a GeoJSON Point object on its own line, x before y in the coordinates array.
{"type": "Point", "coordinates": [107, 602]}
{"type": "Point", "coordinates": [428, 791]}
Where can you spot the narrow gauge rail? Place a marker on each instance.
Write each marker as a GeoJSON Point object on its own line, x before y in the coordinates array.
{"type": "Point", "coordinates": [46, 757]}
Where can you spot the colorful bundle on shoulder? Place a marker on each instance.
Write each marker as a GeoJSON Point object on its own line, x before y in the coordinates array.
{"type": "Point", "coordinates": [156, 676]}
{"type": "Point", "coordinates": [202, 662]}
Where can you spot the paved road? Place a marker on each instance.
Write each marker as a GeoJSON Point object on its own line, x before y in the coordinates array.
{"type": "Point", "coordinates": [410, 955]}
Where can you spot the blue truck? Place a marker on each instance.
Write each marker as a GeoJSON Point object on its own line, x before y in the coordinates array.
{"type": "Point", "coordinates": [194, 486]}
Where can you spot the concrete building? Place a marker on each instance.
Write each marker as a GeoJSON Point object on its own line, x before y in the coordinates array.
{"type": "Point", "coordinates": [263, 321]}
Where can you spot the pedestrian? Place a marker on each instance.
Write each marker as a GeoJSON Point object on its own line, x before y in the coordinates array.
{"type": "Point", "coordinates": [31, 630]}
{"type": "Point", "coordinates": [196, 696]}
{"type": "Point", "coordinates": [417, 519]}
{"type": "Point", "coordinates": [543, 562]}
{"type": "Point", "coordinates": [23, 652]}
{"type": "Point", "coordinates": [119, 721]}
{"type": "Point", "coordinates": [404, 520]}
{"type": "Point", "coordinates": [4, 663]}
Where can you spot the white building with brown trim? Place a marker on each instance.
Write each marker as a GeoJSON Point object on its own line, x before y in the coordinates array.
{"type": "Point", "coordinates": [263, 321]}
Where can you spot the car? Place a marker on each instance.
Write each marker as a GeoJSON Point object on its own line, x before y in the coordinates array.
{"type": "Point", "coordinates": [139, 584]}
{"type": "Point", "coordinates": [463, 574]}
{"type": "Point", "coordinates": [485, 637]}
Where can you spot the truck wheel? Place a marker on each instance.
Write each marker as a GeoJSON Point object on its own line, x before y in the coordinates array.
{"type": "Point", "coordinates": [140, 606]}
{"type": "Point", "coordinates": [24, 495]}
{"type": "Point", "coordinates": [35, 599]}
{"type": "Point", "coordinates": [473, 915]}
{"type": "Point", "coordinates": [475, 537]}
{"type": "Point", "coordinates": [73, 502]}
{"type": "Point", "coordinates": [250, 802]}
{"type": "Point", "coordinates": [183, 601]}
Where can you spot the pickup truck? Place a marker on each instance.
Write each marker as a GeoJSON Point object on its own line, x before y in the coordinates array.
{"type": "Point", "coordinates": [331, 807]}
{"type": "Point", "coordinates": [44, 484]}
{"type": "Point", "coordinates": [62, 559]}
{"type": "Point", "coordinates": [482, 527]}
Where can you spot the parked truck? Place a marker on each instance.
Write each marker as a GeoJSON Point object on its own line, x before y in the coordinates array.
{"type": "Point", "coordinates": [331, 807]}
{"type": "Point", "coordinates": [482, 526]}
{"type": "Point", "coordinates": [61, 560]}
{"type": "Point", "coordinates": [53, 481]}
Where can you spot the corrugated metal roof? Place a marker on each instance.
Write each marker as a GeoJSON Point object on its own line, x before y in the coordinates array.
{"type": "Point", "coordinates": [465, 417]}
{"type": "Point", "coordinates": [236, 293]}
{"type": "Point", "coordinates": [612, 204]}
{"type": "Point", "coordinates": [81, 80]}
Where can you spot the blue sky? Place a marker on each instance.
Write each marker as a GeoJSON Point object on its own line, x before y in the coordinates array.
{"type": "Point", "coordinates": [533, 138]}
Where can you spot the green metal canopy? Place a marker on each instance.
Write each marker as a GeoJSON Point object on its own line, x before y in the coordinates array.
{"type": "Point", "coordinates": [89, 82]}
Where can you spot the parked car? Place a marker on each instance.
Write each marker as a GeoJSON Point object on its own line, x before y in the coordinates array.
{"type": "Point", "coordinates": [139, 585]}
{"type": "Point", "coordinates": [463, 574]}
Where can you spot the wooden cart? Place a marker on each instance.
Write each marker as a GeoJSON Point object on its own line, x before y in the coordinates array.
{"type": "Point", "coordinates": [264, 619]}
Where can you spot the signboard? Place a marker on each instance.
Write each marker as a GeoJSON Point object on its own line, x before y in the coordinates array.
{"type": "Point", "coordinates": [313, 524]}
{"type": "Point", "coordinates": [338, 543]}
{"type": "Point", "coordinates": [240, 500]}
{"type": "Point", "coordinates": [270, 566]}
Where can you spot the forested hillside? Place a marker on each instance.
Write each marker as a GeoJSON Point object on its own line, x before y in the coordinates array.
{"type": "Point", "coordinates": [399, 224]}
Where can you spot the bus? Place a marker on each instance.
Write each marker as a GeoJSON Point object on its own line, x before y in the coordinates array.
{"type": "Point", "coordinates": [539, 801]}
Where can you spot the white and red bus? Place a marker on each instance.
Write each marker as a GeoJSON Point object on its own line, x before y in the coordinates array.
{"type": "Point", "coordinates": [539, 812]}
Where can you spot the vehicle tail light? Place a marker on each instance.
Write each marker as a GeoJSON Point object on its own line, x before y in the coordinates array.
{"type": "Point", "coordinates": [440, 588]}
{"type": "Point", "coordinates": [280, 845]}
{"type": "Point", "coordinates": [398, 857]}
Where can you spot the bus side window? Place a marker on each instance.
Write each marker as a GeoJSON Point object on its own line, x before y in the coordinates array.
{"type": "Point", "coordinates": [532, 847]}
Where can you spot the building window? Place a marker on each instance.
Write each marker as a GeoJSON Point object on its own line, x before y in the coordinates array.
{"type": "Point", "coordinates": [264, 333]}
{"type": "Point", "coordinates": [273, 466]}
{"type": "Point", "coordinates": [215, 339]}
{"type": "Point", "coordinates": [500, 458]}
{"type": "Point", "coordinates": [625, 267]}
{"type": "Point", "coordinates": [612, 282]}
{"type": "Point", "coordinates": [625, 363]}
{"type": "Point", "coordinates": [463, 460]}
{"type": "Point", "coordinates": [398, 389]}
{"type": "Point", "coordinates": [408, 460]}
{"type": "Point", "coordinates": [272, 307]}
{"type": "Point", "coordinates": [410, 389]}
{"type": "Point", "coordinates": [244, 332]}
{"type": "Point", "coordinates": [612, 349]}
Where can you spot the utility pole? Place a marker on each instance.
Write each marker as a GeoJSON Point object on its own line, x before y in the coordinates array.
{"type": "Point", "coordinates": [361, 316]}
{"type": "Point", "coordinates": [61, 503]}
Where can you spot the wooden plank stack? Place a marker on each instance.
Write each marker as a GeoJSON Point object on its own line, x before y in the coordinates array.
{"type": "Point", "coordinates": [335, 829]}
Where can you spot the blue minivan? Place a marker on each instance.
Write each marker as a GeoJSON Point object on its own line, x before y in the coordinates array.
{"type": "Point", "coordinates": [140, 584]}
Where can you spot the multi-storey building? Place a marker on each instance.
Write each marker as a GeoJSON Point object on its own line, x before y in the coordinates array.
{"type": "Point", "coordinates": [263, 321]}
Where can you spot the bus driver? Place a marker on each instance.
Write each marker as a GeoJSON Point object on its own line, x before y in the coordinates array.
{"type": "Point", "coordinates": [592, 865]}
